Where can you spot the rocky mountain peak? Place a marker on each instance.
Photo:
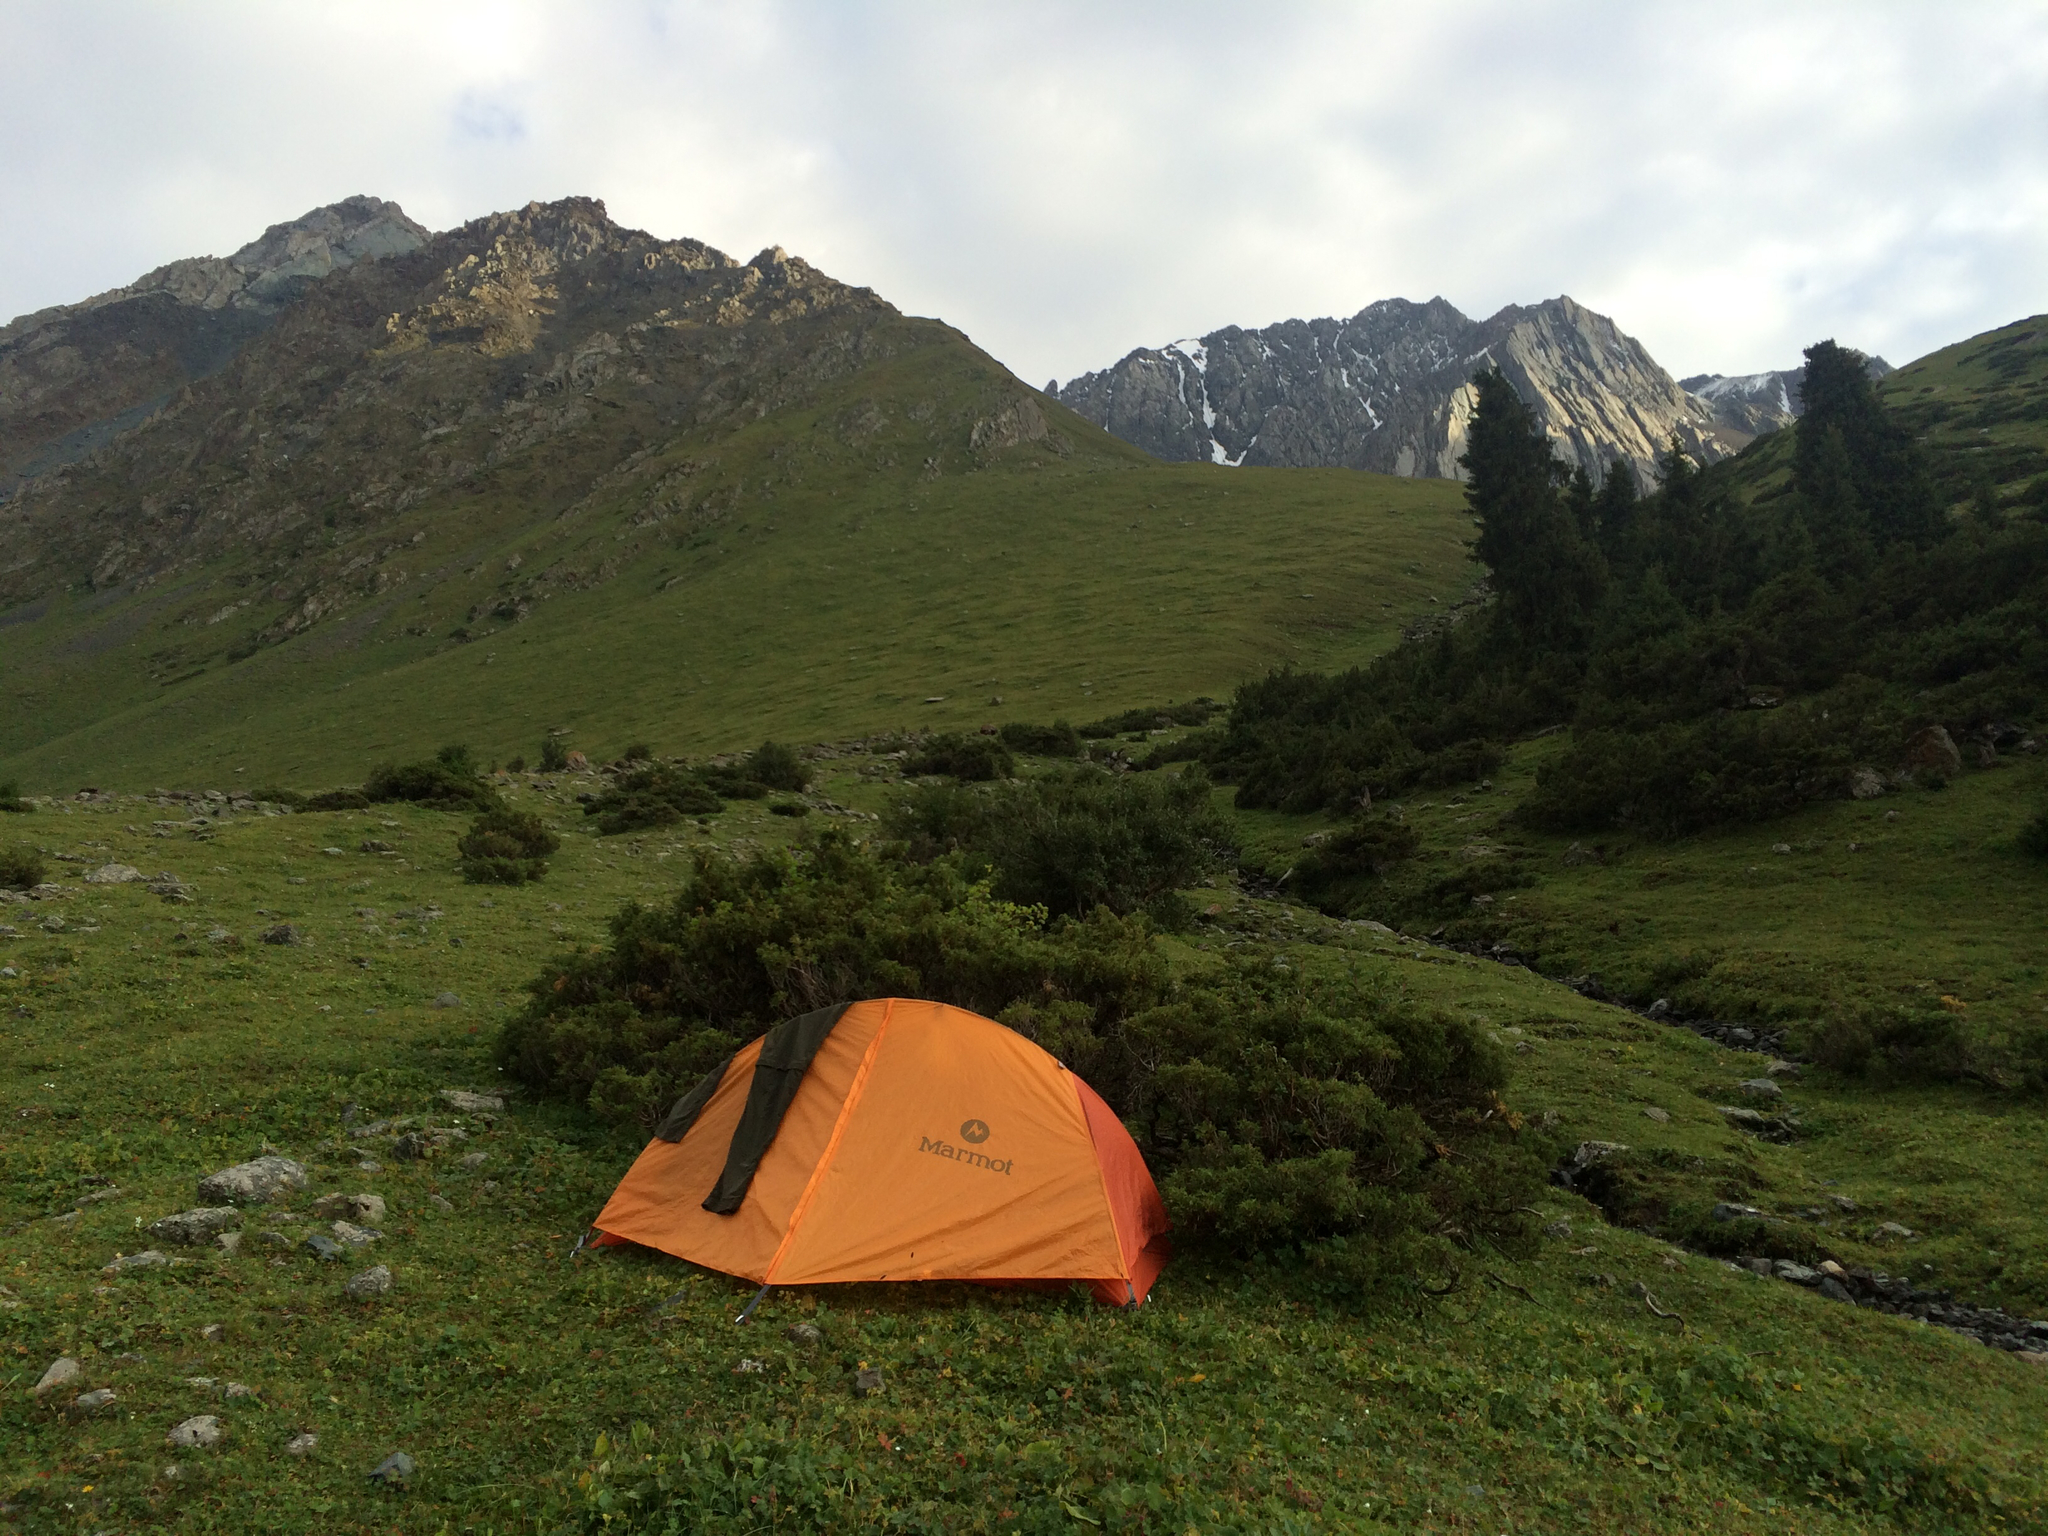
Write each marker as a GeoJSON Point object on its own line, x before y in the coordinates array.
{"type": "Point", "coordinates": [75, 375]}
{"type": "Point", "coordinates": [1390, 390]}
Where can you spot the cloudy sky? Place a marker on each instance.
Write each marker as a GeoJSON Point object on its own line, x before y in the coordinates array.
{"type": "Point", "coordinates": [1065, 182]}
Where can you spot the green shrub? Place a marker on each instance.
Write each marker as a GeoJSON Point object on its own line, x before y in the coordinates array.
{"type": "Point", "coordinates": [789, 808]}
{"type": "Point", "coordinates": [290, 797]}
{"type": "Point", "coordinates": [657, 796]}
{"type": "Point", "coordinates": [1073, 841]}
{"type": "Point", "coordinates": [1276, 1112]}
{"type": "Point", "coordinates": [21, 869]}
{"type": "Point", "coordinates": [2033, 837]}
{"type": "Point", "coordinates": [554, 753]}
{"type": "Point", "coordinates": [638, 752]}
{"type": "Point", "coordinates": [10, 798]}
{"type": "Point", "coordinates": [1056, 740]}
{"type": "Point", "coordinates": [449, 782]}
{"type": "Point", "coordinates": [1346, 864]}
{"type": "Point", "coordinates": [517, 765]}
{"type": "Point", "coordinates": [1194, 712]}
{"type": "Point", "coordinates": [777, 766]}
{"type": "Point", "coordinates": [970, 759]}
{"type": "Point", "coordinates": [337, 800]}
{"type": "Point", "coordinates": [506, 847]}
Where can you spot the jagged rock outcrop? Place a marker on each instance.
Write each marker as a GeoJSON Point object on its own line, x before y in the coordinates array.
{"type": "Point", "coordinates": [1747, 405]}
{"type": "Point", "coordinates": [1390, 390]}
{"type": "Point", "coordinates": [73, 376]}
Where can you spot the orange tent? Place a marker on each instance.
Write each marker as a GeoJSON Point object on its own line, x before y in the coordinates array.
{"type": "Point", "coordinates": [896, 1140]}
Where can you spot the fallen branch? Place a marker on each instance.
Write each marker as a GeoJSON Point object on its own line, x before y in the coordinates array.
{"type": "Point", "coordinates": [1650, 1301]}
{"type": "Point", "coordinates": [1503, 1281]}
{"type": "Point", "coordinates": [1456, 1277]}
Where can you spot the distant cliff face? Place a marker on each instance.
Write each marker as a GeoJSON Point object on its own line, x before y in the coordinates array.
{"type": "Point", "coordinates": [1747, 405]}
{"type": "Point", "coordinates": [73, 376]}
{"type": "Point", "coordinates": [1390, 390]}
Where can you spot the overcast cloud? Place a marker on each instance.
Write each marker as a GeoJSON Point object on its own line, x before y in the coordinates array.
{"type": "Point", "coordinates": [1064, 182]}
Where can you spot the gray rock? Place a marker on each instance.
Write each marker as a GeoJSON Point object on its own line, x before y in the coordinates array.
{"type": "Point", "coordinates": [412, 1147]}
{"type": "Point", "coordinates": [362, 1207]}
{"type": "Point", "coordinates": [253, 1183]}
{"type": "Point", "coordinates": [393, 1469]}
{"type": "Point", "coordinates": [868, 1382]}
{"type": "Point", "coordinates": [329, 1251]}
{"type": "Point", "coordinates": [349, 1232]}
{"type": "Point", "coordinates": [1750, 1118]}
{"type": "Point", "coordinates": [213, 1333]}
{"type": "Point", "coordinates": [1798, 1274]}
{"type": "Point", "coordinates": [121, 1263]}
{"type": "Point", "coordinates": [301, 1445]}
{"type": "Point", "coordinates": [475, 1159]}
{"type": "Point", "coordinates": [1652, 1112]}
{"type": "Point", "coordinates": [95, 1401]}
{"type": "Point", "coordinates": [112, 874]}
{"type": "Point", "coordinates": [1842, 1202]}
{"type": "Point", "coordinates": [1834, 1290]}
{"type": "Point", "coordinates": [229, 1242]}
{"type": "Point", "coordinates": [1761, 1088]}
{"type": "Point", "coordinates": [275, 1239]}
{"type": "Point", "coordinates": [62, 1372]}
{"type": "Point", "coordinates": [374, 1281]}
{"type": "Point", "coordinates": [1865, 784]}
{"type": "Point", "coordinates": [447, 1000]}
{"type": "Point", "coordinates": [471, 1103]}
{"type": "Point", "coordinates": [190, 1228]}
{"type": "Point", "coordinates": [1758, 1267]}
{"type": "Point", "coordinates": [1888, 1230]}
{"type": "Point", "coordinates": [1728, 1211]}
{"type": "Point", "coordinates": [806, 1334]}
{"type": "Point", "coordinates": [280, 933]}
{"type": "Point", "coordinates": [196, 1433]}
{"type": "Point", "coordinates": [1588, 1153]}
{"type": "Point", "coordinates": [441, 1202]}
{"type": "Point", "coordinates": [1560, 1228]}
{"type": "Point", "coordinates": [1933, 750]}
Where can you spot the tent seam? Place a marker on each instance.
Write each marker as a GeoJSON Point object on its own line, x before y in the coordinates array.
{"type": "Point", "coordinates": [1116, 1230]}
{"type": "Point", "coordinates": [853, 1097]}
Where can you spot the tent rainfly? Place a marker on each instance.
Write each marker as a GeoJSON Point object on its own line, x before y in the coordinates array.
{"type": "Point", "coordinates": [896, 1139]}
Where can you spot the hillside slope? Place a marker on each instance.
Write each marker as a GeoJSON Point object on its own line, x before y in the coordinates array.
{"type": "Point", "coordinates": [545, 471]}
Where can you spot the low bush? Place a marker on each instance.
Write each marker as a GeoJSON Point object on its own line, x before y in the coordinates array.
{"type": "Point", "coordinates": [10, 798]}
{"type": "Point", "coordinates": [2033, 837]}
{"type": "Point", "coordinates": [1194, 712]}
{"type": "Point", "coordinates": [651, 797]}
{"type": "Point", "coordinates": [448, 782]}
{"type": "Point", "coordinates": [290, 797]}
{"type": "Point", "coordinates": [1346, 864]}
{"type": "Point", "coordinates": [337, 800]}
{"type": "Point", "coordinates": [638, 752]}
{"type": "Point", "coordinates": [1073, 841]}
{"type": "Point", "coordinates": [21, 869]}
{"type": "Point", "coordinates": [1056, 740]}
{"type": "Point", "coordinates": [506, 847]}
{"type": "Point", "coordinates": [1277, 1112]}
{"type": "Point", "coordinates": [777, 766]}
{"type": "Point", "coordinates": [970, 759]}
{"type": "Point", "coordinates": [554, 753]}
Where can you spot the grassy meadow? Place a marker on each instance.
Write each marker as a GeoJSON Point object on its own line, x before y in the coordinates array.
{"type": "Point", "coordinates": [833, 568]}
{"type": "Point", "coordinates": [145, 1044]}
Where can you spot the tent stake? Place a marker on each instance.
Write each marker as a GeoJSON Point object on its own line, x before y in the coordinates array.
{"type": "Point", "coordinates": [751, 1305]}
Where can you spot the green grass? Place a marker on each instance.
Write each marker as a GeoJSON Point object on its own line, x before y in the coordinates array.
{"type": "Point", "coordinates": [823, 582]}
{"type": "Point", "coordinates": [1241, 1399]}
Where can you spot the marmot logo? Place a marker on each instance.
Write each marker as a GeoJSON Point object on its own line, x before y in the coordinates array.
{"type": "Point", "coordinates": [975, 1131]}
{"type": "Point", "coordinates": [962, 1155]}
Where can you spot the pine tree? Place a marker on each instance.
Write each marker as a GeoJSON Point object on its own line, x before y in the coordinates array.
{"type": "Point", "coordinates": [1549, 578]}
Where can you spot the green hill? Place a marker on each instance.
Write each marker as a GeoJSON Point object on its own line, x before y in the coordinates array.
{"type": "Point", "coordinates": [788, 510]}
